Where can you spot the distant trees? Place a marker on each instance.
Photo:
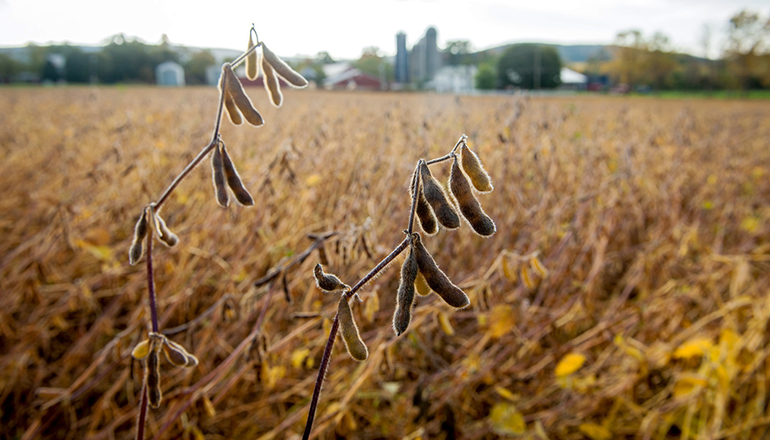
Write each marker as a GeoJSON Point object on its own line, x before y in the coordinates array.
{"type": "Point", "coordinates": [486, 78]}
{"type": "Point", "coordinates": [195, 67]}
{"type": "Point", "coordinates": [457, 52]}
{"type": "Point", "coordinates": [529, 66]}
{"type": "Point", "coordinates": [748, 49]}
{"type": "Point", "coordinates": [373, 63]}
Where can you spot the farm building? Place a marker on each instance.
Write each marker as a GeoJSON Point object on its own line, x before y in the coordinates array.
{"type": "Point", "coordinates": [169, 74]}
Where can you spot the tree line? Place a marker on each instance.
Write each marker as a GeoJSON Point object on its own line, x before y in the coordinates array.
{"type": "Point", "coordinates": [121, 60]}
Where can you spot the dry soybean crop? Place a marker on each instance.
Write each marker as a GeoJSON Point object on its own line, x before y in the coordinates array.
{"type": "Point", "coordinates": [624, 294]}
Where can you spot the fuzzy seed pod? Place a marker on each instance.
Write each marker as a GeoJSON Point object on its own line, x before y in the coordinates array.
{"type": "Point", "coordinates": [153, 378]}
{"type": "Point", "coordinates": [177, 355]}
{"type": "Point", "coordinates": [141, 350]}
{"type": "Point", "coordinates": [252, 67]}
{"type": "Point", "coordinates": [137, 245]}
{"type": "Point", "coordinates": [283, 69]}
{"type": "Point", "coordinates": [436, 279]}
{"type": "Point", "coordinates": [437, 199]}
{"type": "Point", "coordinates": [425, 215]}
{"type": "Point", "coordinates": [166, 236]}
{"type": "Point", "coordinates": [272, 85]}
{"type": "Point", "coordinates": [234, 180]}
{"type": "Point", "coordinates": [232, 110]}
{"type": "Point", "coordinates": [469, 206]}
{"type": "Point", "coordinates": [241, 99]}
{"type": "Point", "coordinates": [472, 167]}
{"type": "Point", "coordinates": [405, 297]}
{"type": "Point", "coordinates": [326, 281]}
{"type": "Point", "coordinates": [218, 174]}
{"type": "Point", "coordinates": [350, 335]}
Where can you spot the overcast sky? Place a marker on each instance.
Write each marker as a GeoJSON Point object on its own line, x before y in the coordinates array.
{"type": "Point", "coordinates": [344, 27]}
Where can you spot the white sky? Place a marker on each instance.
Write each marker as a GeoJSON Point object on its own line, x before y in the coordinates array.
{"type": "Point", "coordinates": [344, 27]}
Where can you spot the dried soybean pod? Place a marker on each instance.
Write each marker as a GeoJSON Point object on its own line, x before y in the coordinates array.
{"type": "Point", "coordinates": [272, 85]}
{"type": "Point", "coordinates": [175, 353]}
{"type": "Point", "coordinates": [472, 167]}
{"type": "Point", "coordinates": [326, 281]}
{"type": "Point", "coordinates": [350, 335]}
{"type": "Point", "coordinates": [218, 174]}
{"type": "Point", "coordinates": [137, 245]}
{"type": "Point", "coordinates": [436, 279]}
{"type": "Point", "coordinates": [166, 237]}
{"type": "Point", "coordinates": [153, 377]}
{"type": "Point", "coordinates": [234, 180]}
{"type": "Point", "coordinates": [469, 206]}
{"type": "Point", "coordinates": [425, 214]}
{"type": "Point", "coordinates": [232, 110]}
{"type": "Point", "coordinates": [405, 296]}
{"type": "Point", "coordinates": [241, 99]}
{"type": "Point", "coordinates": [284, 70]}
{"type": "Point", "coordinates": [252, 68]}
{"type": "Point", "coordinates": [437, 199]}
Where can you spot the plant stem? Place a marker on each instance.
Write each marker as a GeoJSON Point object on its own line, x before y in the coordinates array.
{"type": "Point", "coordinates": [206, 150]}
{"type": "Point", "coordinates": [142, 413]}
{"type": "Point", "coordinates": [415, 191]}
{"type": "Point", "coordinates": [151, 280]}
{"type": "Point", "coordinates": [243, 56]}
{"type": "Point", "coordinates": [333, 334]}
{"type": "Point", "coordinates": [451, 153]}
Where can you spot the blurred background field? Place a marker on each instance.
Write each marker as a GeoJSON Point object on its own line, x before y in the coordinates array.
{"type": "Point", "coordinates": [648, 319]}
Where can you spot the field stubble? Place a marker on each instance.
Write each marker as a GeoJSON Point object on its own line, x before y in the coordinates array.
{"type": "Point", "coordinates": [644, 315]}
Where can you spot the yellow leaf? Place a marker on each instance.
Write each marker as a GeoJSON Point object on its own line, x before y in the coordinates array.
{"type": "Point", "coordinates": [750, 224]}
{"type": "Point", "coordinates": [506, 419]}
{"type": "Point", "coordinates": [209, 406]}
{"type": "Point", "coordinates": [693, 347]}
{"type": "Point", "coordinates": [102, 253]}
{"type": "Point", "coordinates": [505, 393]}
{"type": "Point", "coordinates": [570, 364]}
{"type": "Point", "coordinates": [501, 320]}
{"type": "Point", "coordinates": [421, 285]}
{"type": "Point", "coordinates": [313, 180]}
{"type": "Point", "coordinates": [508, 271]}
{"type": "Point", "coordinates": [298, 357]}
{"type": "Point", "coordinates": [538, 267]}
{"type": "Point", "coordinates": [595, 432]}
{"type": "Point", "coordinates": [444, 323]}
{"type": "Point", "coordinates": [688, 384]}
{"type": "Point", "coordinates": [371, 306]}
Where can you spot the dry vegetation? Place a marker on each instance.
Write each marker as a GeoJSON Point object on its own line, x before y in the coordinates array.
{"type": "Point", "coordinates": [650, 319]}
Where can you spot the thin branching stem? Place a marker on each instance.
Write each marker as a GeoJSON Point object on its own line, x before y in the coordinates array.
{"type": "Point", "coordinates": [333, 334]}
{"type": "Point", "coordinates": [151, 281]}
{"type": "Point", "coordinates": [415, 192]}
{"type": "Point", "coordinates": [451, 153]}
{"type": "Point", "coordinates": [243, 56]}
{"type": "Point", "coordinates": [206, 150]}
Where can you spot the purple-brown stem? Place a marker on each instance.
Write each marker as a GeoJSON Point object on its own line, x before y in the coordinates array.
{"type": "Point", "coordinates": [151, 282]}
{"type": "Point", "coordinates": [142, 414]}
{"type": "Point", "coordinates": [333, 335]}
{"type": "Point", "coordinates": [206, 150]}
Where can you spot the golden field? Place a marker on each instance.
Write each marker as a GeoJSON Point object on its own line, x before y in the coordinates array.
{"type": "Point", "coordinates": [648, 319]}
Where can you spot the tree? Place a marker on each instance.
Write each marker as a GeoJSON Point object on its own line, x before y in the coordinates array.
{"type": "Point", "coordinates": [372, 63]}
{"type": "Point", "coordinates": [529, 66]}
{"type": "Point", "coordinates": [457, 52]}
{"type": "Point", "coordinates": [49, 72]}
{"type": "Point", "coordinates": [77, 67]}
{"type": "Point", "coordinates": [628, 64]}
{"type": "Point", "coordinates": [660, 63]}
{"type": "Point", "coordinates": [195, 68]}
{"type": "Point", "coordinates": [486, 78]}
{"type": "Point", "coordinates": [8, 68]}
{"type": "Point", "coordinates": [748, 49]}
